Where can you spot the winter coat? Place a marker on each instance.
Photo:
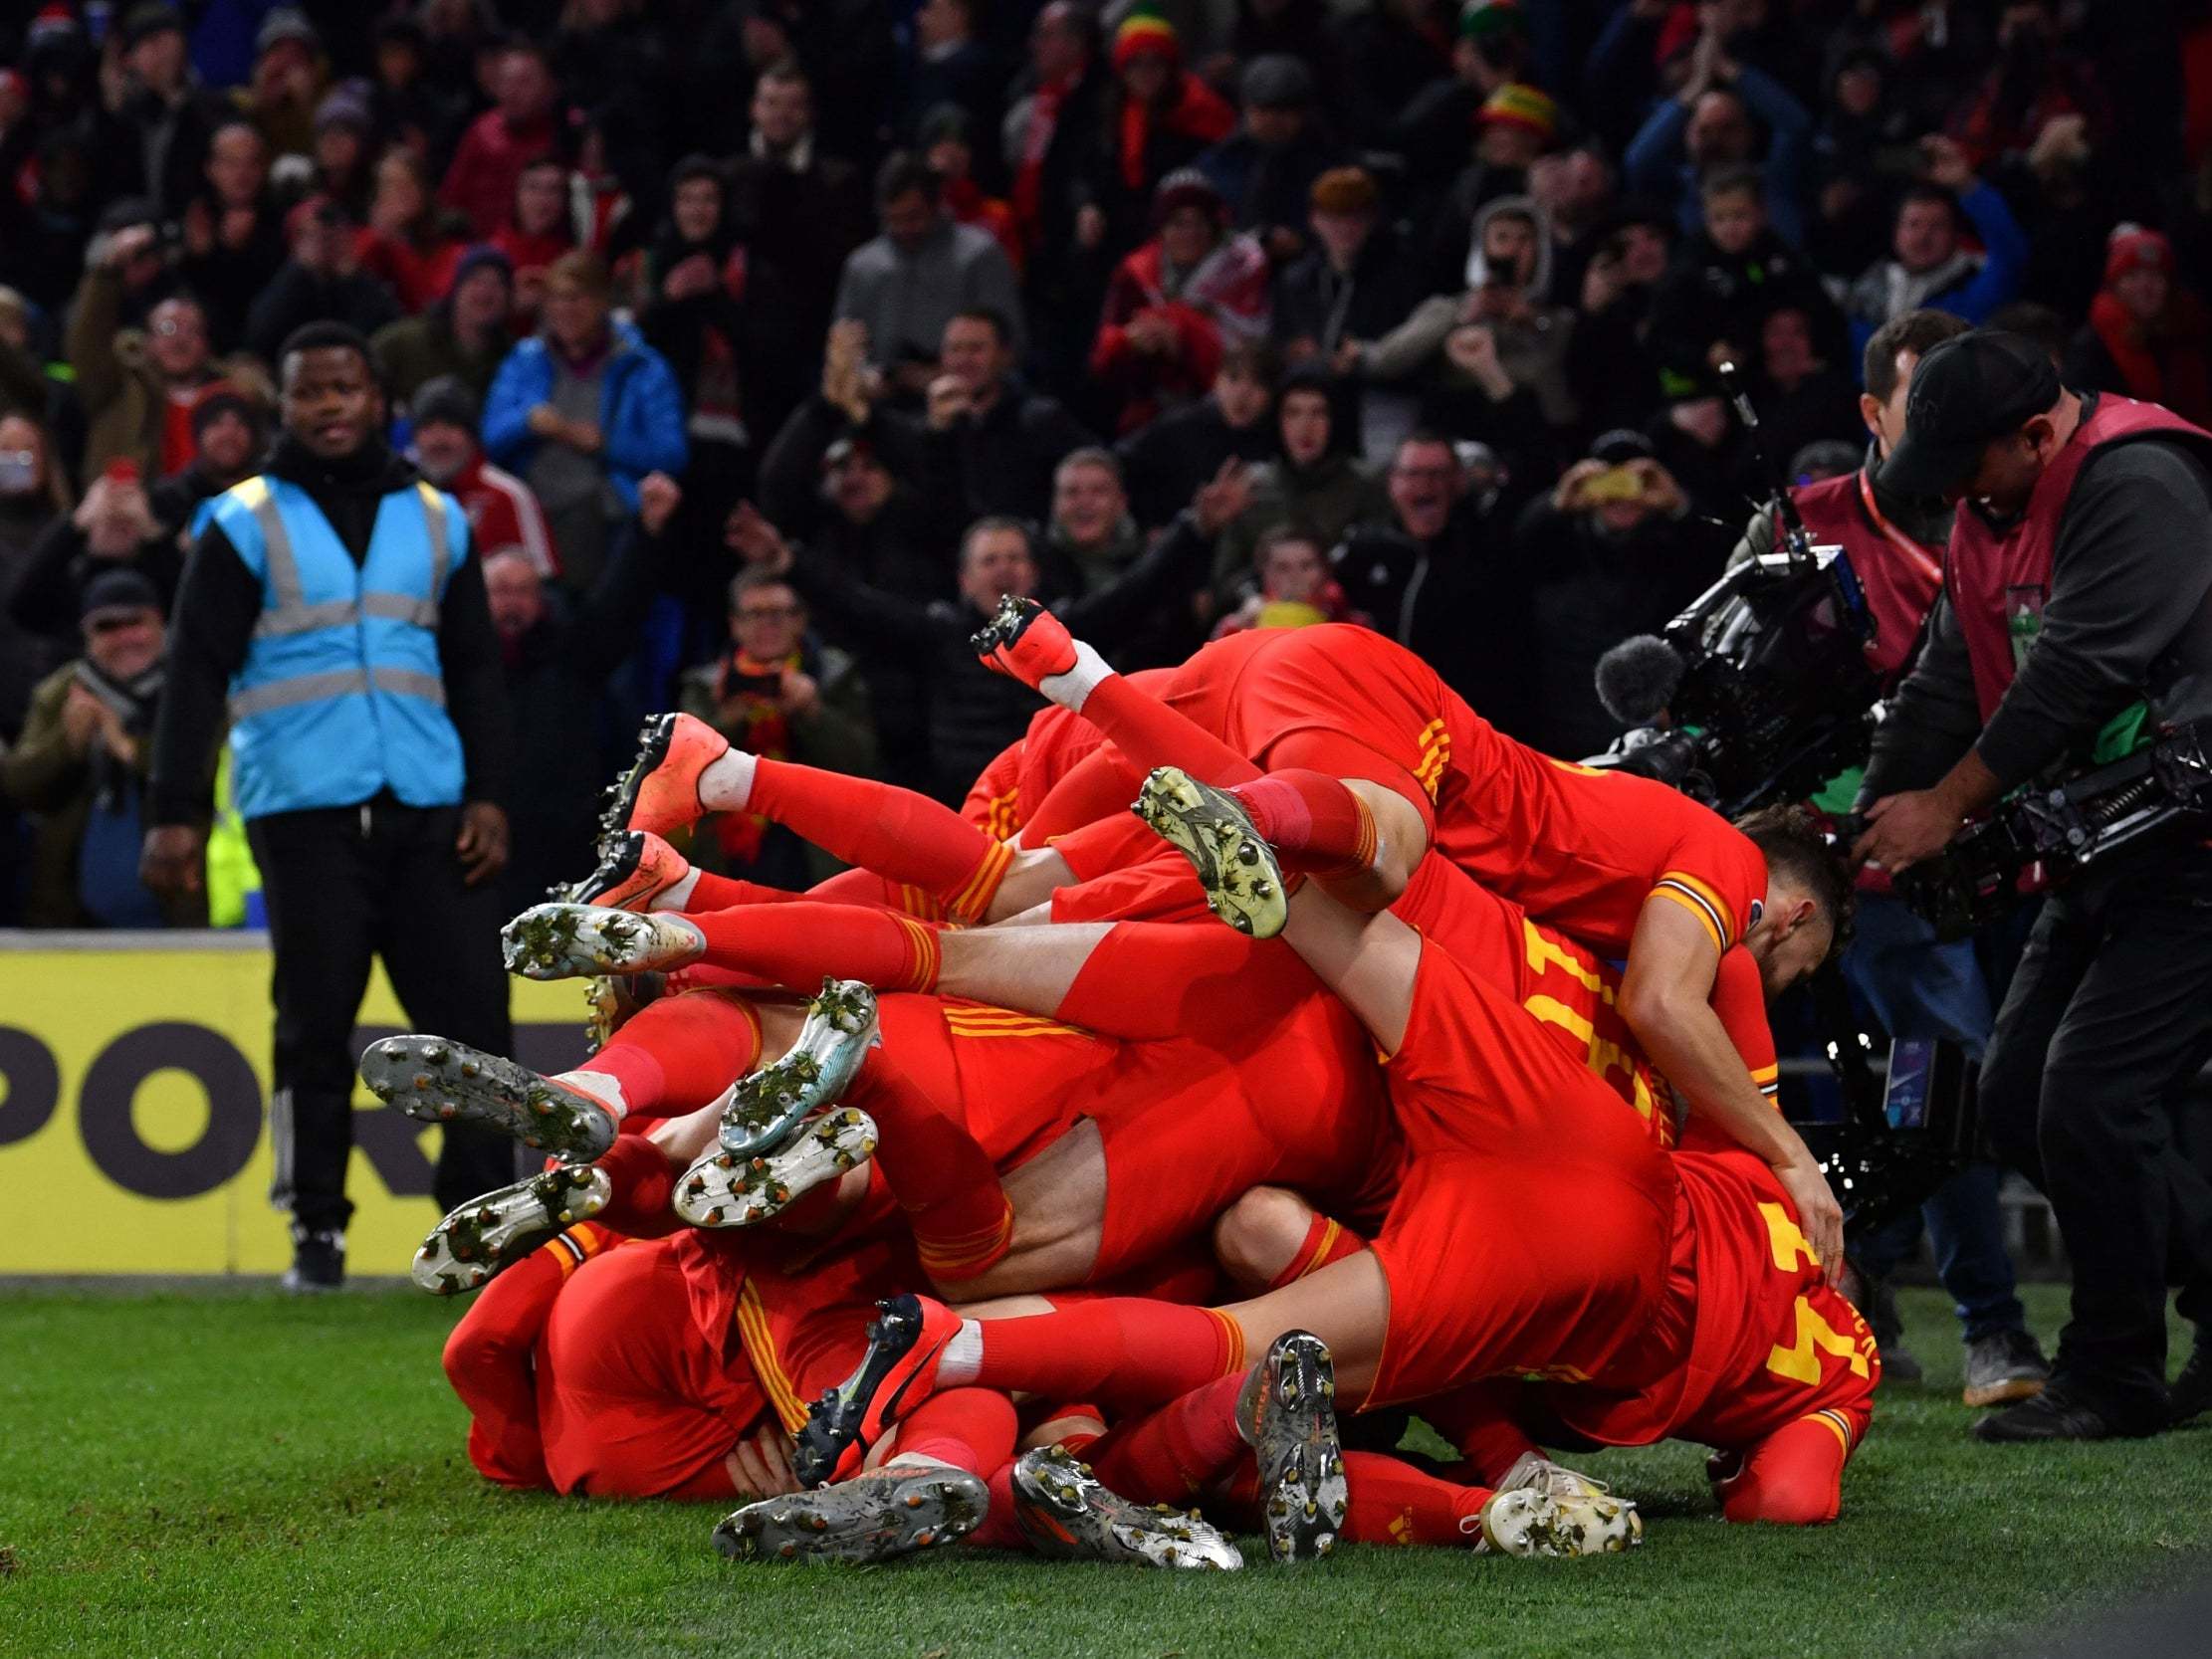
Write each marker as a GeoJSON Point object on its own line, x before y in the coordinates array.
{"type": "Point", "coordinates": [641, 410]}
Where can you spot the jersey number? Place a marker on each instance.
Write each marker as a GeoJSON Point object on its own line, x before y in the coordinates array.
{"type": "Point", "coordinates": [1802, 1363]}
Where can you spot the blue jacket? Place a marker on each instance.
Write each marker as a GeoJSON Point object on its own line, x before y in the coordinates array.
{"type": "Point", "coordinates": [342, 694]}
{"type": "Point", "coordinates": [1973, 293]}
{"type": "Point", "coordinates": [641, 410]}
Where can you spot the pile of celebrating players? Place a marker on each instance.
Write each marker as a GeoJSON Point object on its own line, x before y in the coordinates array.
{"type": "Point", "coordinates": [1109, 1181]}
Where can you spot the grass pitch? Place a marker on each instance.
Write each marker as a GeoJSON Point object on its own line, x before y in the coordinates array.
{"type": "Point", "coordinates": [232, 1473]}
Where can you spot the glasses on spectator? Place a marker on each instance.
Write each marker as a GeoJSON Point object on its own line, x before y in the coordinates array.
{"type": "Point", "coordinates": [170, 327]}
{"type": "Point", "coordinates": [768, 613]}
{"type": "Point", "coordinates": [116, 621]}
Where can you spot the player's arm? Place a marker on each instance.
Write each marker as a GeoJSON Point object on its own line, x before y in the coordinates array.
{"type": "Point", "coordinates": [487, 1360]}
{"type": "Point", "coordinates": [1666, 998]}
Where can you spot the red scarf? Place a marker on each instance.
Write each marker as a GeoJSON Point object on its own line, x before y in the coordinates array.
{"type": "Point", "coordinates": [762, 730]}
{"type": "Point", "coordinates": [2167, 367]}
{"type": "Point", "coordinates": [1198, 112]}
{"type": "Point", "coordinates": [1028, 177]}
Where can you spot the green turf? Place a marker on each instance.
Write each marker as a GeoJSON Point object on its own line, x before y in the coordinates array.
{"type": "Point", "coordinates": [232, 1473]}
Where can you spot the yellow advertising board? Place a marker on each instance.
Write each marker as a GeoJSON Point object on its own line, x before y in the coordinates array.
{"type": "Point", "coordinates": [133, 1109]}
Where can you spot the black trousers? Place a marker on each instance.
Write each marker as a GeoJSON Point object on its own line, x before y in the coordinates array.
{"type": "Point", "coordinates": [343, 885]}
{"type": "Point", "coordinates": [2107, 1020]}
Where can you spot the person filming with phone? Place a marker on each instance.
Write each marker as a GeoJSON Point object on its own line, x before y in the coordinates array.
{"type": "Point", "coordinates": [1613, 547]}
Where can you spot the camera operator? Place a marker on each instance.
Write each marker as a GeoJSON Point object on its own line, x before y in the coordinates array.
{"type": "Point", "coordinates": [1916, 984]}
{"type": "Point", "coordinates": [2075, 613]}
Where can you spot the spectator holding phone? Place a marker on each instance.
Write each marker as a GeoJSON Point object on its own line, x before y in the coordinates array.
{"type": "Point", "coordinates": [80, 765]}
{"type": "Point", "coordinates": [1610, 551]}
{"type": "Point", "coordinates": [137, 384]}
{"type": "Point", "coordinates": [115, 527]}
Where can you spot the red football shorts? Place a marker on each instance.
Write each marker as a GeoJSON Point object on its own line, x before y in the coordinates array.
{"type": "Point", "coordinates": [1532, 1232]}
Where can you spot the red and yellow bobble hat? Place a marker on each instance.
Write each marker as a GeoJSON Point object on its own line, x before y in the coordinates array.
{"type": "Point", "coordinates": [1143, 32]}
{"type": "Point", "coordinates": [1519, 104]}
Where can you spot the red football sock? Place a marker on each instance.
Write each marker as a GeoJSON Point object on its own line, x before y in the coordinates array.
{"type": "Point", "coordinates": [1391, 1502]}
{"type": "Point", "coordinates": [1153, 979]}
{"type": "Point", "coordinates": [848, 887]}
{"type": "Point", "coordinates": [722, 893]}
{"type": "Point", "coordinates": [1120, 1350]}
{"type": "Point", "coordinates": [946, 1184]}
{"type": "Point", "coordinates": [1313, 821]}
{"type": "Point", "coordinates": [1175, 1454]}
{"type": "Point", "coordinates": [865, 886]}
{"type": "Point", "coordinates": [801, 945]}
{"type": "Point", "coordinates": [677, 1053]}
{"type": "Point", "coordinates": [968, 1428]}
{"type": "Point", "coordinates": [998, 1530]}
{"type": "Point", "coordinates": [1151, 734]}
{"type": "Point", "coordinates": [1480, 1421]}
{"type": "Point", "coordinates": [644, 1184]}
{"type": "Point", "coordinates": [1326, 1241]}
{"type": "Point", "coordinates": [894, 832]}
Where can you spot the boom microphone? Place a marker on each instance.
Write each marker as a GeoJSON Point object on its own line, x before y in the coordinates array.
{"type": "Point", "coordinates": [1638, 679]}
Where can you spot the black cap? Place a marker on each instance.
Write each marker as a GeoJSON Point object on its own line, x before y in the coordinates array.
{"type": "Point", "coordinates": [118, 590]}
{"type": "Point", "coordinates": [1981, 385]}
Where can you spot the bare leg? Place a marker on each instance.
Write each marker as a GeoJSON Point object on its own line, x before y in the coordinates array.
{"type": "Point", "coordinates": [1369, 960]}
{"type": "Point", "coordinates": [1029, 882]}
{"type": "Point", "coordinates": [1029, 968]}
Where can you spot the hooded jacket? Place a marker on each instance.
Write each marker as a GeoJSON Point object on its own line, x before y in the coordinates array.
{"type": "Point", "coordinates": [1533, 353]}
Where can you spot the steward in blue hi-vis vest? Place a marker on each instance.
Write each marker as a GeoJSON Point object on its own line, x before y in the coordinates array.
{"type": "Point", "coordinates": [341, 696]}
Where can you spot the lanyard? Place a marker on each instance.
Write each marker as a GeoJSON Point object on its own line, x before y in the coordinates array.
{"type": "Point", "coordinates": [1904, 544]}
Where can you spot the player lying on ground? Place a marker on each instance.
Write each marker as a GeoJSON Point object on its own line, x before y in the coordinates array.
{"type": "Point", "coordinates": [1029, 944]}
{"type": "Point", "coordinates": [617, 1395]}
{"type": "Point", "coordinates": [1627, 866]}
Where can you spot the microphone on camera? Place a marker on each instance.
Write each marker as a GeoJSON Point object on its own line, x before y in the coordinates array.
{"type": "Point", "coordinates": [1638, 679]}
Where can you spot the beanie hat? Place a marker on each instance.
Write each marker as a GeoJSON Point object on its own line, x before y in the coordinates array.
{"type": "Point", "coordinates": [143, 23]}
{"type": "Point", "coordinates": [1187, 187]}
{"type": "Point", "coordinates": [1276, 81]}
{"type": "Point", "coordinates": [118, 590]}
{"type": "Point", "coordinates": [1519, 104]}
{"type": "Point", "coordinates": [1143, 32]}
{"type": "Point", "coordinates": [1487, 19]}
{"type": "Point", "coordinates": [475, 259]}
{"type": "Point", "coordinates": [445, 400]}
{"type": "Point", "coordinates": [346, 104]}
{"type": "Point", "coordinates": [1345, 190]}
{"type": "Point", "coordinates": [940, 122]}
{"type": "Point", "coordinates": [286, 23]}
{"type": "Point", "coordinates": [2136, 248]}
{"type": "Point", "coordinates": [221, 397]}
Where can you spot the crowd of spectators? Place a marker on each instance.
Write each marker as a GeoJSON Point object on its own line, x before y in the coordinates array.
{"type": "Point", "coordinates": [768, 343]}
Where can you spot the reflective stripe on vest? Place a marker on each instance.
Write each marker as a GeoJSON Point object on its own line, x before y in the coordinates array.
{"type": "Point", "coordinates": [312, 688]}
{"type": "Point", "coordinates": [292, 614]}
